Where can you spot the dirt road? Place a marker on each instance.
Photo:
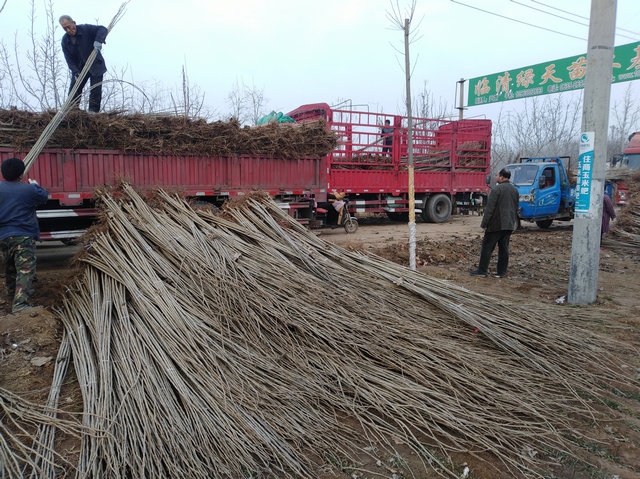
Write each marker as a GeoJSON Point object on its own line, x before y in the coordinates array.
{"type": "Point", "coordinates": [539, 264]}
{"type": "Point", "coordinates": [379, 230]}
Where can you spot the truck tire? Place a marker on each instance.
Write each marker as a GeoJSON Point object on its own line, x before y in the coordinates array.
{"type": "Point", "coordinates": [438, 209]}
{"type": "Point", "coordinates": [205, 205]}
{"type": "Point", "coordinates": [398, 217]}
{"type": "Point", "coordinates": [544, 224]}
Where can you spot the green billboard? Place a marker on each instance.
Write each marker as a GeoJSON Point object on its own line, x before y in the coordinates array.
{"type": "Point", "coordinates": [550, 77]}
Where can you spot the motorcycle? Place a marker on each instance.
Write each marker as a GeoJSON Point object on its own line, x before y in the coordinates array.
{"type": "Point", "coordinates": [325, 214]}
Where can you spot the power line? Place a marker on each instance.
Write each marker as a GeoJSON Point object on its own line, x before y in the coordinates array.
{"type": "Point", "coordinates": [520, 21]}
{"type": "Point", "coordinates": [635, 37]}
{"type": "Point", "coordinates": [573, 14]}
{"type": "Point", "coordinates": [560, 10]}
{"type": "Point", "coordinates": [553, 14]}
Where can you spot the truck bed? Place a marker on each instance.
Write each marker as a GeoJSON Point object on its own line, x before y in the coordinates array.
{"type": "Point", "coordinates": [70, 176]}
{"type": "Point", "coordinates": [448, 156]}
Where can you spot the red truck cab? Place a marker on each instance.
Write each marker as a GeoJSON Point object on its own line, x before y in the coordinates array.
{"type": "Point", "coordinates": [630, 159]}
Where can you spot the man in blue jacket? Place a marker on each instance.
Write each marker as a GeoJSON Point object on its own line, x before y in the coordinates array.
{"type": "Point", "coordinates": [19, 231]}
{"type": "Point", "coordinates": [77, 44]}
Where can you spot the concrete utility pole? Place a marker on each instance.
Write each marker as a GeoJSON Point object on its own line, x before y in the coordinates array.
{"type": "Point", "coordinates": [585, 248]}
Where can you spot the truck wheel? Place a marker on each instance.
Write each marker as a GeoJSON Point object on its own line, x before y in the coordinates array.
{"type": "Point", "coordinates": [205, 205]}
{"type": "Point", "coordinates": [544, 224]}
{"type": "Point", "coordinates": [351, 225]}
{"type": "Point", "coordinates": [394, 216]}
{"type": "Point", "coordinates": [438, 209]}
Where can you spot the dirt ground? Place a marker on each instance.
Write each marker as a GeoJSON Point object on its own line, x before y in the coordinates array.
{"type": "Point", "coordinates": [539, 260]}
{"type": "Point", "coordinates": [538, 274]}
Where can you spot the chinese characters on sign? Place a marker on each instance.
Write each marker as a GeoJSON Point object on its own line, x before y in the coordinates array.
{"type": "Point", "coordinates": [550, 77]}
{"type": "Point", "coordinates": [585, 164]}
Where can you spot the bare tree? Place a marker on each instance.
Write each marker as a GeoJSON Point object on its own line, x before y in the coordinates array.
{"type": "Point", "coordinates": [624, 120]}
{"type": "Point", "coordinates": [255, 102]}
{"type": "Point", "coordinates": [2, 54]}
{"type": "Point", "coordinates": [503, 149]}
{"type": "Point", "coordinates": [237, 103]}
{"type": "Point", "coordinates": [34, 79]}
{"type": "Point", "coordinates": [246, 103]}
{"type": "Point", "coordinates": [426, 105]}
{"type": "Point", "coordinates": [548, 126]}
{"type": "Point", "coordinates": [191, 99]}
{"type": "Point", "coordinates": [38, 79]}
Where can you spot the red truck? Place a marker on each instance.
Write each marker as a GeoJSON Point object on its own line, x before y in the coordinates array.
{"type": "Point", "coordinates": [451, 162]}
{"type": "Point", "coordinates": [70, 177]}
{"type": "Point", "coordinates": [630, 159]}
{"type": "Point", "coordinates": [451, 165]}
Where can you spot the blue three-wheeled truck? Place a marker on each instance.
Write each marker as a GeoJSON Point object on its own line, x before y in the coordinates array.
{"type": "Point", "coordinates": [546, 191]}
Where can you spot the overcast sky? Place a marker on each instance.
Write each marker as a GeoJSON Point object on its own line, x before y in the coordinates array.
{"type": "Point", "coordinates": [307, 51]}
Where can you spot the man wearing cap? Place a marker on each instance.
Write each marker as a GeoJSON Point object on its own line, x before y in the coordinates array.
{"type": "Point", "coordinates": [78, 43]}
{"type": "Point", "coordinates": [499, 220]}
{"type": "Point", "coordinates": [19, 231]}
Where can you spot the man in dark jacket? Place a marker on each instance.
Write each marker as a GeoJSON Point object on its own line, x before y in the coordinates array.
{"type": "Point", "coordinates": [608, 214]}
{"type": "Point", "coordinates": [77, 44]}
{"type": "Point", "coordinates": [500, 219]}
{"type": "Point", "coordinates": [386, 132]}
{"type": "Point", "coordinates": [19, 231]}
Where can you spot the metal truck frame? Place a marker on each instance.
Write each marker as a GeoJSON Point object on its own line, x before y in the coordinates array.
{"type": "Point", "coordinates": [71, 176]}
{"type": "Point", "coordinates": [451, 162]}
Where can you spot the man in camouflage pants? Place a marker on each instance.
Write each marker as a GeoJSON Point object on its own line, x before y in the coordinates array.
{"type": "Point", "coordinates": [19, 231]}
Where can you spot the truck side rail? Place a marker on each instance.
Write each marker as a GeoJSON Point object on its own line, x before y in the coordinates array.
{"type": "Point", "coordinates": [71, 177]}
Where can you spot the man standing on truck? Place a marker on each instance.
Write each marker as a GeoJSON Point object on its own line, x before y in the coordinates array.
{"type": "Point", "coordinates": [500, 219]}
{"type": "Point", "coordinates": [19, 231]}
{"type": "Point", "coordinates": [386, 132]}
{"type": "Point", "coordinates": [77, 44]}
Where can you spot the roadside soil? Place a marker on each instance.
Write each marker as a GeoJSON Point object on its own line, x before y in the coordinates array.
{"type": "Point", "coordinates": [538, 267]}
{"type": "Point", "coordinates": [538, 277]}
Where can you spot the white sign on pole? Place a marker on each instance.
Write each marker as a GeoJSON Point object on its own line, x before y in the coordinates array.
{"type": "Point", "coordinates": [585, 172]}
